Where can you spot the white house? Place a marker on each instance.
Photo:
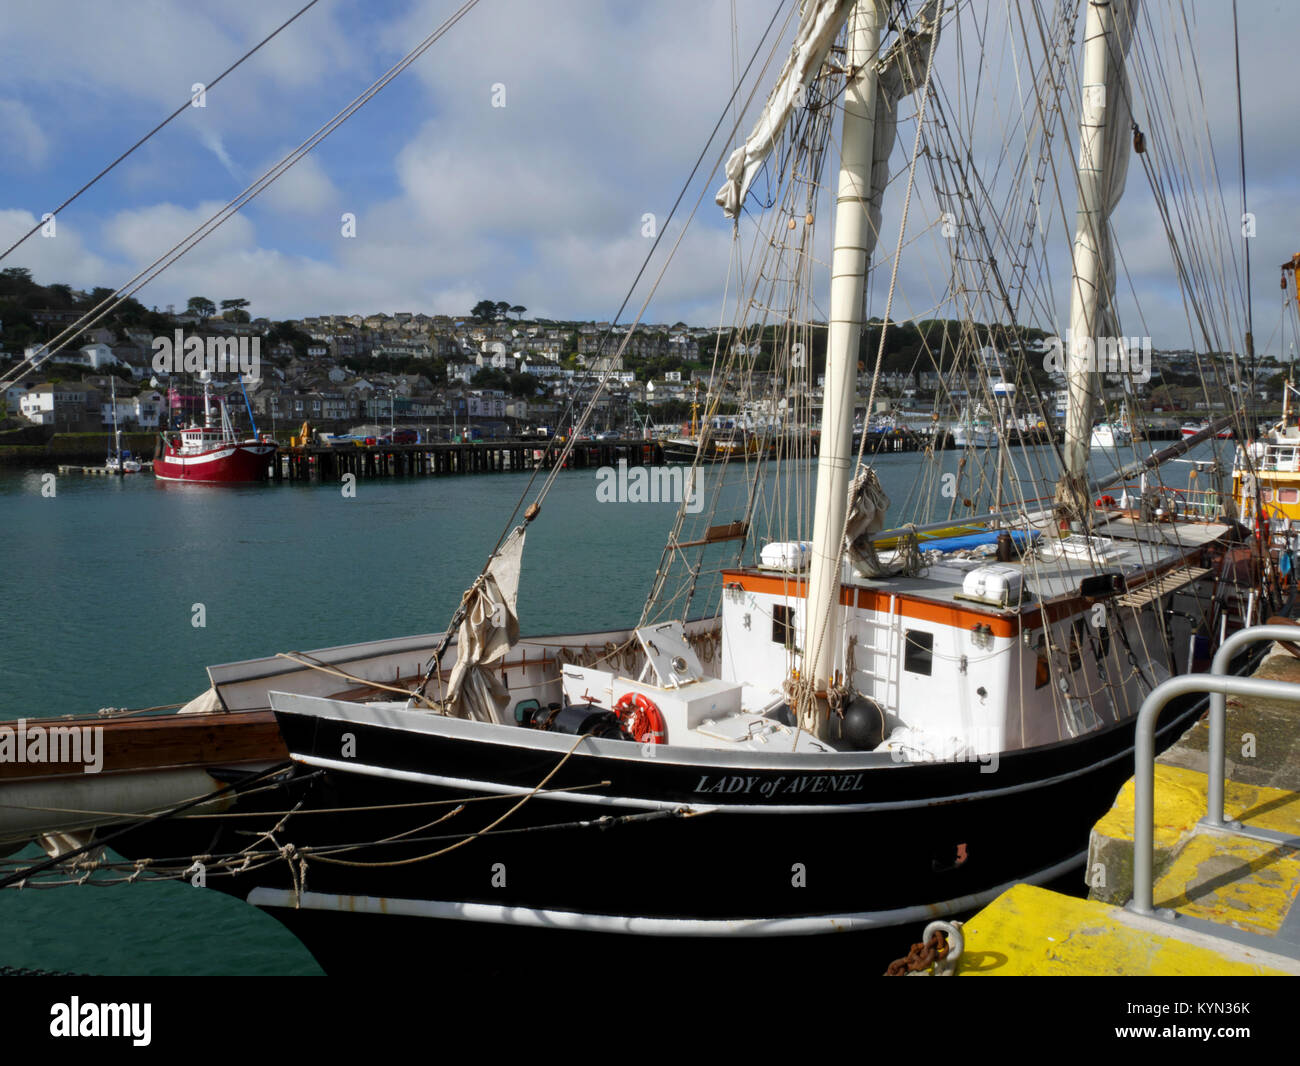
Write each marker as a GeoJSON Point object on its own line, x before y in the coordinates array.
{"type": "Point", "coordinates": [93, 356]}
{"type": "Point", "coordinates": [142, 410]}
{"type": "Point", "coordinates": [486, 406]}
{"type": "Point", "coordinates": [43, 403]}
{"type": "Point", "coordinates": [14, 396]}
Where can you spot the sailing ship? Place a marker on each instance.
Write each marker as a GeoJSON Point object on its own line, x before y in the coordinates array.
{"type": "Point", "coordinates": [975, 429]}
{"type": "Point", "coordinates": [1266, 470]}
{"type": "Point", "coordinates": [1113, 434]}
{"type": "Point", "coordinates": [120, 460]}
{"type": "Point", "coordinates": [213, 452]}
{"type": "Point", "coordinates": [847, 732]}
{"type": "Point", "coordinates": [985, 422]}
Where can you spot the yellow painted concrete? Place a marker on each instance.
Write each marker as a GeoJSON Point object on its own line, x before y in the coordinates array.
{"type": "Point", "coordinates": [1233, 881]}
{"type": "Point", "coordinates": [1031, 932]}
{"type": "Point", "coordinates": [1230, 880]}
{"type": "Point", "coordinates": [1180, 804]}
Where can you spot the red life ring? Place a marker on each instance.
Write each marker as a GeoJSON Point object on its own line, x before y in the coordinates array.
{"type": "Point", "coordinates": [638, 715]}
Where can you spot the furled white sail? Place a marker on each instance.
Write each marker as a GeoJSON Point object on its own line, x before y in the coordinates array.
{"type": "Point", "coordinates": [818, 27]}
{"type": "Point", "coordinates": [489, 628]}
{"type": "Point", "coordinates": [1104, 140]}
{"type": "Point", "coordinates": [870, 126]}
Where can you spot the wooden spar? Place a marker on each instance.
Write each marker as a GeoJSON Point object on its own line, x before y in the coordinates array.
{"type": "Point", "coordinates": [718, 534]}
{"type": "Point", "coordinates": [1164, 455]}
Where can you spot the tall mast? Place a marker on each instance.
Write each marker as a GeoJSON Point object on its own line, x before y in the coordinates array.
{"type": "Point", "coordinates": [849, 261]}
{"type": "Point", "coordinates": [207, 401]}
{"type": "Point", "coordinates": [117, 435]}
{"type": "Point", "coordinates": [1103, 164]}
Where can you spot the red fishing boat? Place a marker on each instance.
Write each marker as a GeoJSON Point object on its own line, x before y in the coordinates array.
{"type": "Point", "coordinates": [213, 452]}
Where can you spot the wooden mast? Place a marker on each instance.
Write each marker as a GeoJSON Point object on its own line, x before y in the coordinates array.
{"type": "Point", "coordinates": [849, 261]}
{"type": "Point", "coordinates": [1101, 168]}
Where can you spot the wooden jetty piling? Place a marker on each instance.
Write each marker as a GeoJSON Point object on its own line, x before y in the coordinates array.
{"type": "Point", "coordinates": [331, 463]}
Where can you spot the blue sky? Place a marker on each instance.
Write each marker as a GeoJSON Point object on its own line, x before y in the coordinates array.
{"type": "Point", "coordinates": [539, 202]}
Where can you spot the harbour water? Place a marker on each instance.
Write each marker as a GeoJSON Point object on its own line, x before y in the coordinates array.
{"type": "Point", "coordinates": [107, 580]}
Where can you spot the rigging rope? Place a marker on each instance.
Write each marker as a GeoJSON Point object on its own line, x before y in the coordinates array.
{"type": "Point", "coordinates": [208, 87]}
{"type": "Point", "coordinates": [186, 244]}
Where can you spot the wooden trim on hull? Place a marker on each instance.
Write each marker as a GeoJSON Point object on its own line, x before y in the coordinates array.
{"type": "Point", "coordinates": [164, 742]}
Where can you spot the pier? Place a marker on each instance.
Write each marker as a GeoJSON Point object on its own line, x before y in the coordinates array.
{"type": "Point", "coordinates": [146, 467]}
{"type": "Point", "coordinates": [331, 462]}
{"type": "Point", "coordinates": [317, 462]}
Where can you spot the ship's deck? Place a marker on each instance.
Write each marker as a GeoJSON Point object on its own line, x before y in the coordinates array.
{"type": "Point", "coordinates": [1055, 568]}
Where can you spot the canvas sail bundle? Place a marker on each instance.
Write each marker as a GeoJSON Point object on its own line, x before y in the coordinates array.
{"type": "Point", "coordinates": [488, 630]}
{"type": "Point", "coordinates": [867, 506]}
{"type": "Point", "coordinates": [901, 72]}
{"type": "Point", "coordinates": [819, 25]}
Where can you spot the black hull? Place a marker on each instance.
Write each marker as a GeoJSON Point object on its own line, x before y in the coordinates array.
{"type": "Point", "coordinates": [494, 950]}
{"type": "Point", "coordinates": [886, 849]}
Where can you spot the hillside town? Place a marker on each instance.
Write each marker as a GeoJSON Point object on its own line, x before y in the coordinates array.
{"type": "Point", "coordinates": [491, 372]}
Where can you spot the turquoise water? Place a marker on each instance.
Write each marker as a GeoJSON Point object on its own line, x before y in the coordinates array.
{"type": "Point", "coordinates": [99, 596]}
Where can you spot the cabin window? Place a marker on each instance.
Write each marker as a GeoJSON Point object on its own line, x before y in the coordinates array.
{"type": "Point", "coordinates": [783, 626]}
{"type": "Point", "coordinates": [918, 652]}
{"type": "Point", "coordinates": [1288, 495]}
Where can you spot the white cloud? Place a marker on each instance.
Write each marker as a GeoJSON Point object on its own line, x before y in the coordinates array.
{"type": "Point", "coordinates": [144, 234]}
{"type": "Point", "coordinates": [25, 143]}
{"type": "Point", "coordinates": [539, 202]}
{"type": "Point", "coordinates": [304, 188]}
{"type": "Point", "coordinates": [61, 258]}
{"type": "Point", "coordinates": [211, 140]}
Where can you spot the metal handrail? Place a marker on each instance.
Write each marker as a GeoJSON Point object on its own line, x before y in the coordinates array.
{"type": "Point", "coordinates": [1219, 706]}
{"type": "Point", "coordinates": [1144, 746]}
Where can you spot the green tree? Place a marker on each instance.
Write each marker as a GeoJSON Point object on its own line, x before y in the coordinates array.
{"type": "Point", "coordinates": [201, 306]}
{"type": "Point", "coordinates": [491, 378]}
{"type": "Point", "coordinates": [233, 310]}
{"type": "Point", "coordinates": [522, 384]}
{"type": "Point", "coordinates": [518, 311]}
{"type": "Point", "coordinates": [15, 280]}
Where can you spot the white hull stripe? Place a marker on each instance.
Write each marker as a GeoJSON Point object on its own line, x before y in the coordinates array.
{"type": "Point", "coordinates": [468, 785]}
{"type": "Point", "coordinates": [608, 923]}
{"type": "Point", "coordinates": [214, 457]}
